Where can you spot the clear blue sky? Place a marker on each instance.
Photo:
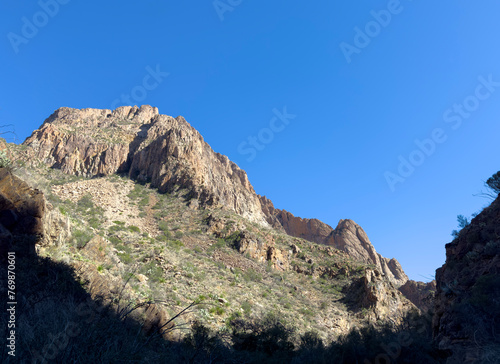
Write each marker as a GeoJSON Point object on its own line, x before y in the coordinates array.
{"type": "Point", "coordinates": [230, 71]}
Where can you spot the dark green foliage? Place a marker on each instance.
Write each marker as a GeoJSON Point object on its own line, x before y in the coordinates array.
{"type": "Point", "coordinates": [494, 182]}
{"type": "Point", "coordinates": [462, 223]}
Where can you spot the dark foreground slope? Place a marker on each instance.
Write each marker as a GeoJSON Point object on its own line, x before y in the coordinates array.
{"type": "Point", "coordinates": [467, 316]}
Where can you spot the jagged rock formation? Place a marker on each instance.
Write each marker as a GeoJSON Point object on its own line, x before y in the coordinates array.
{"type": "Point", "coordinates": [467, 311]}
{"type": "Point", "coordinates": [172, 155]}
{"type": "Point", "coordinates": [420, 294]}
{"type": "Point", "coordinates": [348, 237]}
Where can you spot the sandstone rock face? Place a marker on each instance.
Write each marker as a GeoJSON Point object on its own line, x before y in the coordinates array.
{"type": "Point", "coordinates": [467, 302]}
{"type": "Point", "coordinates": [166, 151]}
{"type": "Point", "coordinates": [420, 294]}
{"type": "Point", "coordinates": [348, 237]}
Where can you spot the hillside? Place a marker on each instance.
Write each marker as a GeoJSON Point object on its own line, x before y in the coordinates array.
{"type": "Point", "coordinates": [149, 221]}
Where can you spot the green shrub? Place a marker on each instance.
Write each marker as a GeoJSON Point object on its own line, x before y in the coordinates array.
{"type": "Point", "coordinates": [176, 244]}
{"type": "Point", "coordinates": [153, 271]}
{"type": "Point", "coordinates": [126, 258]}
{"type": "Point", "coordinates": [251, 275]}
{"type": "Point", "coordinates": [217, 310]}
{"type": "Point", "coordinates": [144, 202]}
{"type": "Point", "coordinates": [271, 335]}
{"type": "Point", "coordinates": [85, 203]}
{"type": "Point", "coordinates": [134, 229]}
{"type": "Point", "coordinates": [81, 238]}
{"type": "Point", "coordinates": [5, 162]}
{"type": "Point", "coordinates": [247, 307]}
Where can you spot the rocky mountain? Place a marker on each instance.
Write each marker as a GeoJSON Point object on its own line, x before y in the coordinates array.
{"type": "Point", "coordinates": [171, 155]}
{"type": "Point", "coordinates": [131, 215]}
{"type": "Point", "coordinates": [165, 151]}
{"type": "Point", "coordinates": [467, 301]}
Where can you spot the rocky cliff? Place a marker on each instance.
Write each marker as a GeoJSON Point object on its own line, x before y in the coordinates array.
{"type": "Point", "coordinates": [467, 311]}
{"type": "Point", "coordinates": [171, 155]}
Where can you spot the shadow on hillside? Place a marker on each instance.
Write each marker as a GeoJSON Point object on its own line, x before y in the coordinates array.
{"type": "Point", "coordinates": [57, 321]}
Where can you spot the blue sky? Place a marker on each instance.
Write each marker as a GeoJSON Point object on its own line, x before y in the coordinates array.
{"type": "Point", "coordinates": [420, 70]}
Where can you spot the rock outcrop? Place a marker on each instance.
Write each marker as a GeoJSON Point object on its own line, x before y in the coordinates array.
{"type": "Point", "coordinates": [378, 297]}
{"type": "Point", "coordinates": [467, 311]}
{"type": "Point", "coordinates": [348, 237]}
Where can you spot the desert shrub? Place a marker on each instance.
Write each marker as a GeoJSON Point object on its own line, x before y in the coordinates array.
{"type": "Point", "coordinates": [204, 346]}
{"type": "Point", "coordinates": [217, 310]}
{"type": "Point", "coordinates": [153, 271]}
{"type": "Point", "coordinates": [252, 275]}
{"type": "Point", "coordinates": [5, 162]}
{"type": "Point", "coordinates": [81, 238]}
{"type": "Point", "coordinates": [144, 202]}
{"type": "Point", "coordinates": [462, 223]}
{"type": "Point", "coordinates": [247, 307]}
{"type": "Point", "coordinates": [272, 335]}
{"type": "Point", "coordinates": [134, 229]}
{"type": "Point", "coordinates": [494, 182]}
{"type": "Point", "coordinates": [175, 244]}
{"type": "Point", "coordinates": [85, 203]}
{"type": "Point", "coordinates": [125, 257]}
